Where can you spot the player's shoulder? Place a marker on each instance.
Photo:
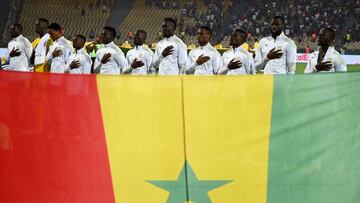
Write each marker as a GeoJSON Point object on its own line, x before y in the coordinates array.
{"type": "Point", "coordinates": [179, 42]}
{"type": "Point", "coordinates": [161, 42]}
{"type": "Point", "coordinates": [86, 55]}
{"type": "Point", "coordinates": [118, 49]}
{"type": "Point", "coordinates": [148, 50]}
{"type": "Point", "coordinates": [265, 39]}
{"type": "Point", "coordinates": [100, 48]}
{"type": "Point", "coordinates": [227, 52]}
{"type": "Point", "coordinates": [335, 52]}
{"type": "Point", "coordinates": [246, 53]}
{"type": "Point", "coordinates": [289, 40]}
{"type": "Point", "coordinates": [192, 51]}
{"type": "Point", "coordinates": [313, 54]}
{"type": "Point", "coordinates": [131, 51]}
{"type": "Point", "coordinates": [215, 51]}
{"type": "Point", "coordinates": [25, 39]}
{"type": "Point", "coordinates": [66, 43]}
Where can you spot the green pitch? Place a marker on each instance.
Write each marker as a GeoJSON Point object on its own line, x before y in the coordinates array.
{"type": "Point", "coordinates": [301, 67]}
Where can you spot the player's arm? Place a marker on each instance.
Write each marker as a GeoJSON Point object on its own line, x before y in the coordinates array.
{"type": "Point", "coordinates": [291, 58]}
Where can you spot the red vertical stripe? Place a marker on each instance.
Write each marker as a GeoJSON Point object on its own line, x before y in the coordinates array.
{"type": "Point", "coordinates": [52, 142]}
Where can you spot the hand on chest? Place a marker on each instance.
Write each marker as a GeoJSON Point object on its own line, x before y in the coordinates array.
{"type": "Point", "coordinates": [162, 47]}
{"type": "Point", "coordinates": [202, 53]}
{"type": "Point", "coordinates": [274, 45]}
{"type": "Point", "coordinates": [139, 56]}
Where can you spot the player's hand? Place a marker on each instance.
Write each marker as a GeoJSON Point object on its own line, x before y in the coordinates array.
{"type": "Point", "coordinates": [168, 51]}
{"type": "Point", "coordinates": [202, 59]}
{"type": "Point", "coordinates": [74, 64]}
{"type": "Point", "coordinates": [57, 52]}
{"type": "Point", "coordinates": [137, 64]}
{"type": "Point", "coordinates": [274, 54]}
{"type": "Point", "coordinates": [234, 64]}
{"type": "Point", "coordinates": [324, 66]}
{"type": "Point", "coordinates": [106, 58]}
{"type": "Point", "coordinates": [15, 52]}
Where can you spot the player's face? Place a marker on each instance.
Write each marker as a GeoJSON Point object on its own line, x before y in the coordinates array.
{"type": "Point", "coordinates": [54, 35]}
{"type": "Point", "coordinates": [14, 31]}
{"type": "Point", "coordinates": [203, 37]}
{"type": "Point", "coordinates": [276, 26]}
{"type": "Point", "coordinates": [167, 29]}
{"type": "Point", "coordinates": [324, 38]}
{"type": "Point", "coordinates": [236, 39]}
{"type": "Point", "coordinates": [139, 38]}
{"type": "Point", "coordinates": [77, 43]}
{"type": "Point", "coordinates": [106, 37]}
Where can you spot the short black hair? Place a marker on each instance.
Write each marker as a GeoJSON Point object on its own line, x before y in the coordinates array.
{"type": "Point", "coordinates": [55, 26]}
{"type": "Point", "coordinates": [282, 19]}
{"type": "Point", "coordinates": [18, 26]}
{"type": "Point", "coordinates": [82, 37]}
{"type": "Point", "coordinates": [111, 30]}
{"type": "Point", "coordinates": [208, 29]}
{"type": "Point", "coordinates": [171, 20]}
{"type": "Point", "coordinates": [240, 31]}
{"type": "Point", "coordinates": [331, 31]}
{"type": "Point", "coordinates": [143, 31]}
{"type": "Point", "coordinates": [43, 20]}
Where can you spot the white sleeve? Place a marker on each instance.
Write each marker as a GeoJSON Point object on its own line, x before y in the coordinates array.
{"type": "Point", "coordinates": [182, 54]}
{"type": "Point", "coordinates": [97, 63]}
{"type": "Point", "coordinates": [291, 58]}
{"type": "Point", "coordinates": [120, 60]}
{"type": "Point", "coordinates": [216, 62]}
{"type": "Point", "coordinates": [190, 64]}
{"type": "Point", "coordinates": [128, 68]}
{"type": "Point", "coordinates": [340, 66]}
{"type": "Point", "coordinates": [150, 67]}
{"type": "Point", "coordinates": [87, 65]}
{"type": "Point", "coordinates": [249, 65]}
{"type": "Point", "coordinates": [67, 54]}
{"type": "Point", "coordinates": [7, 57]}
{"type": "Point", "coordinates": [157, 57]}
{"type": "Point", "coordinates": [223, 67]}
{"type": "Point", "coordinates": [28, 48]}
{"type": "Point", "coordinates": [49, 56]}
{"type": "Point", "coordinates": [260, 60]}
{"type": "Point", "coordinates": [67, 66]}
{"type": "Point", "coordinates": [310, 67]}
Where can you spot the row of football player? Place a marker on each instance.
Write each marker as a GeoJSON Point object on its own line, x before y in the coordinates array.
{"type": "Point", "coordinates": [276, 55]}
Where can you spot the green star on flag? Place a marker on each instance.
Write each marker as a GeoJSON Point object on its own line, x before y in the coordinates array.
{"type": "Point", "coordinates": [193, 189]}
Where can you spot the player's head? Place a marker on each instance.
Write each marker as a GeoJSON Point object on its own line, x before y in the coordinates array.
{"type": "Point", "coordinates": [204, 35]}
{"type": "Point", "coordinates": [277, 25]}
{"type": "Point", "coordinates": [169, 27]}
{"type": "Point", "coordinates": [41, 25]}
{"type": "Point", "coordinates": [16, 30]}
{"type": "Point", "coordinates": [326, 37]}
{"type": "Point", "coordinates": [54, 31]}
{"type": "Point", "coordinates": [140, 37]}
{"type": "Point", "coordinates": [108, 35]}
{"type": "Point", "coordinates": [79, 42]}
{"type": "Point", "coordinates": [237, 38]}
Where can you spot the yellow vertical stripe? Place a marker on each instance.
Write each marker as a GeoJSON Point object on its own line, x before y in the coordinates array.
{"type": "Point", "coordinates": [227, 134]}
{"type": "Point", "coordinates": [143, 124]}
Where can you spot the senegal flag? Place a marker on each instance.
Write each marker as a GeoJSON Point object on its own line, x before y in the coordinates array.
{"type": "Point", "coordinates": [251, 139]}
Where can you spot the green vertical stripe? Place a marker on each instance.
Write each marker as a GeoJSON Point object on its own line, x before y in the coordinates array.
{"type": "Point", "coordinates": [315, 139]}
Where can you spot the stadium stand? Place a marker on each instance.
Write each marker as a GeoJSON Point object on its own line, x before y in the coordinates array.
{"type": "Point", "coordinates": [304, 18]}
{"type": "Point", "coordinates": [142, 17]}
{"type": "Point", "coordinates": [80, 16]}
